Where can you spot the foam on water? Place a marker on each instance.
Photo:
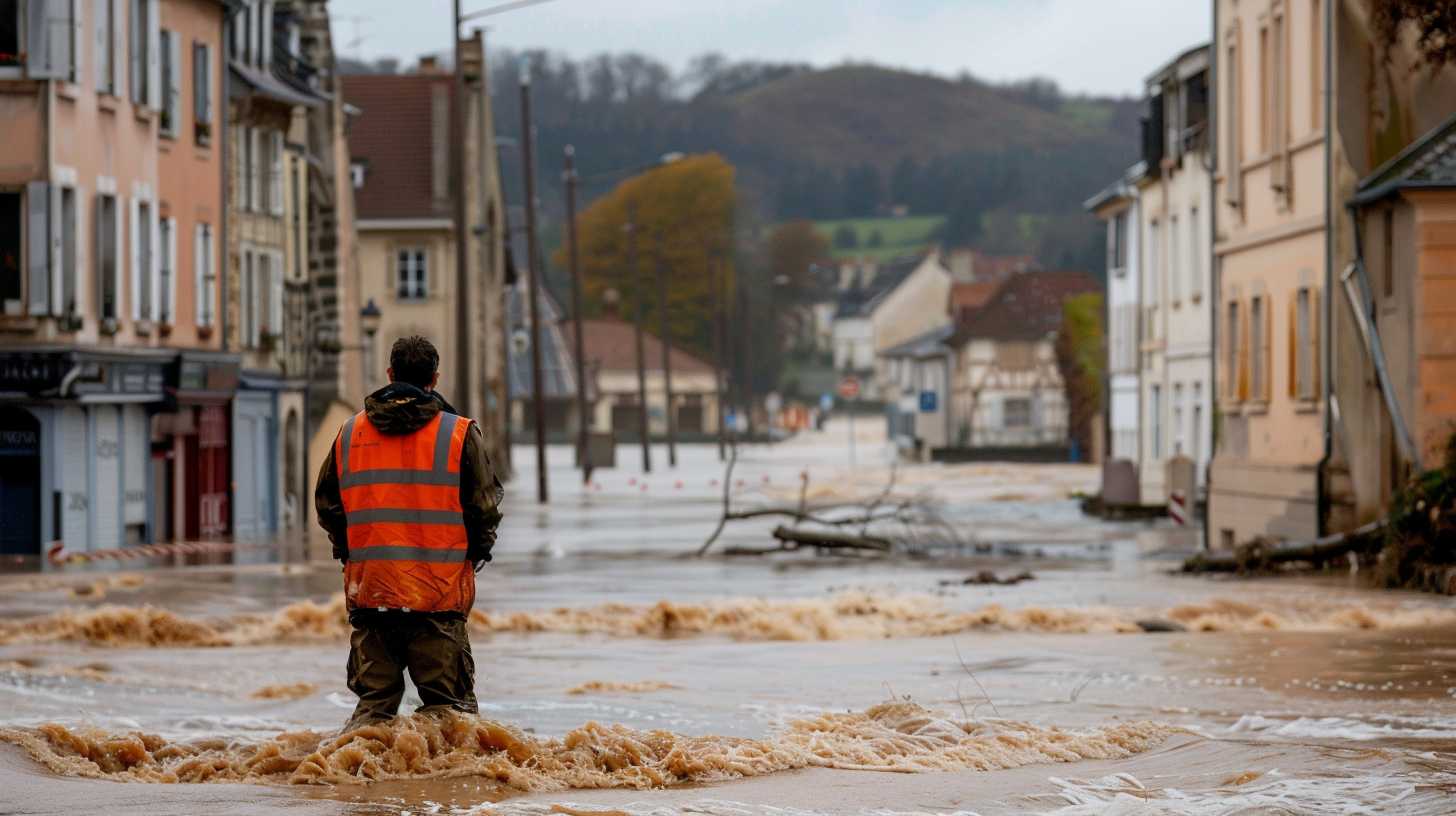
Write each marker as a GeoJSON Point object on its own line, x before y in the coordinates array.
{"type": "Point", "coordinates": [901, 737]}
{"type": "Point", "coordinates": [844, 616]}
{"type": "Point", "coordinates": [609, 687]}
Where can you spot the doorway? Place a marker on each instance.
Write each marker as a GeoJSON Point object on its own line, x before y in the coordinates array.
{"type": "Point", "coordinates": [19, 482]}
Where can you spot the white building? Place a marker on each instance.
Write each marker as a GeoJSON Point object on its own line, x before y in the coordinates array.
{"type": "Point", "coordinates": [1174, 218]}
{"type": "Point", "coordinates": [1118, 206]}
{"type": "Point", "coordinates": [881, 308]}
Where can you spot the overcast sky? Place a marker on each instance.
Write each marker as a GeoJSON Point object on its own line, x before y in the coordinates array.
{"type": "Point", "coordinates": [1097, 46]}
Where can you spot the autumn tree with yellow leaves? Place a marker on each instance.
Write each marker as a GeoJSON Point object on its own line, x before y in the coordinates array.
{"type": "Point", "coordinates": [683, 218]}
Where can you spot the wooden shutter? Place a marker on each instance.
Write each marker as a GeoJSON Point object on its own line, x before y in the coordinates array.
{"type": "Point", "coordinates": [1244, 359]}
{"type": "Point", "coordinates": [154, 260]}
{"type": "Point", "coordinates": [38, 246]}
{"type": "Point", "coordinates": [1316, 360]}
{"type": "Point", "coordinates": [275, 296]}
{"type": "Point", "coordinates": [275, 177]}
{"type": "Point", "coordinates": [199, 288]}
{"type": "Point", "coordinates": [1268, 350]}
{"type": "Point", "coordinates": [1294, 349]}
{"type": "Point", "coordinates": [136, 41]}
{"type": "Point", "coordinates": [100, 39]}
{"type": "Point", "coordinates": [173, 270]}
{"type": "Point", "coordinates": [57, 249]}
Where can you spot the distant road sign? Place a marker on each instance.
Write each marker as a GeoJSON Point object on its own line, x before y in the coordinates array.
{"type": "Point", "coordinates": [928, 402]}
{"type": "Point", "coordinates": [849, 387]}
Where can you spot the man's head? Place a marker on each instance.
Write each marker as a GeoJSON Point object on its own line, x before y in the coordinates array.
{"type": "Point", "coordinates": [414, 360]}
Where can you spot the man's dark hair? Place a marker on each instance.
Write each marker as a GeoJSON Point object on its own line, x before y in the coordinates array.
{"type": "Point", "coordinates": [414, 361]}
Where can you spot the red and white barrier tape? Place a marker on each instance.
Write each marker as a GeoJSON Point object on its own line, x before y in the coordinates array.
{"type": "Point", "coordinates": [58, 556]}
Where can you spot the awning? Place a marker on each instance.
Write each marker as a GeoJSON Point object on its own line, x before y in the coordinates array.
{"type": "Point", "coordinates": [256, 80]}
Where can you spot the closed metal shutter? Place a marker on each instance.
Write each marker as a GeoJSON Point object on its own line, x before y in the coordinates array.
{"type": "Point", "coordinates": [74, 477]}
{"type": "Point", "coordinates": [106, 499]}
{"type": "Point", "coordinates": [245, 466]}
{"type": "Point", "coordinates": [136, 452]}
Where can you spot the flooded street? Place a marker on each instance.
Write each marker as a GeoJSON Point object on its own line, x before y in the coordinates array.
{"type": "Point", "coordinates": [788, 683]}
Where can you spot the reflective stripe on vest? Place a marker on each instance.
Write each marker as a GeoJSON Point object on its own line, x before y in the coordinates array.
{"type": "Point", "coordinates": [406, 528]}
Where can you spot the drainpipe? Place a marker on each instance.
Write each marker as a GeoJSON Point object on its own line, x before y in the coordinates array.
{"type": "Point", "coordinates": [1215, 284]}
{"type": "Point", "coordinates": [1322, 488]}
{"type": "Point", "coordinates": [224, 138]}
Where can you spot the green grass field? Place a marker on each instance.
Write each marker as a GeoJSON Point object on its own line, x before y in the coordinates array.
{"type": "Point", "coordinates": [899, 236]}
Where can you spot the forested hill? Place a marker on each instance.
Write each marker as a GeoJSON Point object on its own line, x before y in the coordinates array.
{"type": "Point", "coordinates": [1008, 164]}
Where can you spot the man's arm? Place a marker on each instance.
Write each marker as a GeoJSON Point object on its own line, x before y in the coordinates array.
{"type": "Point", "coordinates": [480, 496]}
{"type": "Point", "coordinates": [328, 502]}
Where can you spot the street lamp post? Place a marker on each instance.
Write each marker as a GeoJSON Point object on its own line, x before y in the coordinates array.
{"type": "Point", "coordinates": [534, 271]}
{"type": "Point", "coordinates": [714, 271]}
{"type": "Point", "coordinates": [583, 417]}
{"type": "Point", "coordinates": [666, 342]}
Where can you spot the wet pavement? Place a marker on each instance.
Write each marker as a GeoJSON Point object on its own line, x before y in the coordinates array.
{"type": "Point", "coordinates": [1307, 695]}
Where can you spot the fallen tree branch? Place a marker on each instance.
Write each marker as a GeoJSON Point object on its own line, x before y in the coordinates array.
{"type": "Point", "coordinates": [829, 540]}
{"type": "Point", "coordinates": [727, 495]}
{"type": "Point", "coordinates": [1260, 554]}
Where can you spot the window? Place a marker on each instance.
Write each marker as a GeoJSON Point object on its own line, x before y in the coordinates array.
{"type": "Point", "coordinates": [1258, 348]}
{"type": "Point", "coordinates": [1195, 255]}
{"type": "Point", "coordinates": [143, 284]}
{"type": "Point", "coordinates": [1178, 440]}
{"type": "Point", "coordinates": [249, 301]}
{"type": "Point", "coordinates": [202, 93]}
{"type": "Point", "coordinates": [10, 49]}
{"type": "Point", "coordinates": [268, 285]}
{"type": "Point", "coordinates": [1017, 413]}
{"type": "Point", "coordinates": [70, 251]}
{"type": "Point", "coordinates": [166, 270]}
{"type": "Point", "coordinates": [1305, 373]}
{"type": "Point", "coordinates": [1118, 242]}
{"type": "Point", "coordinates": [171, 66]}
{"type": "Point", "coordinates": [1195, 448]}
{"type": "Point", "coordinates": [1155, 262]}
{"type": "Point", "coordinates": [108, 241]}
{"type": "Point", "coordinates": [1175, 249]}
{"type": "Point", "coordinates": [1233, 344]}
{"type": "Point", "coordinates": [12, 251]}
{"type": "Point", "coordinates": [206, 275]}
{"type": "Point", "coordinates": [248, 183]}
{"type": "Point", "coordinates": [1016, 356]}
{"type": "Point", "coordinates": [1155, 413]}
{"type": "Point", "coordinates": [139, 56]}
{"type": "Point", "coordinates": [411, 274]}
{"type": "Point", "coordinates": [357, 173]}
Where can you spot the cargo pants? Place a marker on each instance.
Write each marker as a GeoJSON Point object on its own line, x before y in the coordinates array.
{"type": "Point", "coordinates": [435, 650]}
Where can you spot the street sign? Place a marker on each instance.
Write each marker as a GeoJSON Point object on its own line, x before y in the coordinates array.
{"type": "Point", "coordinates": [849, 387]}
{"type": "Point", "coordinates": [928, 402]}
{"type": "Point", "coordinates": [826, 402]}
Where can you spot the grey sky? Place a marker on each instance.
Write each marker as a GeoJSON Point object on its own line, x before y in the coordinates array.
{"type": "Point", "coordinates": [1099, 46]}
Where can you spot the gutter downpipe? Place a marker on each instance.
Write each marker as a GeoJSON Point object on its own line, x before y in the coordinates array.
{"type": "Point", "coordinates": [1322, 492]}
{"type": "Point", "coordinates": [1215, 286]}
{"type": "Point", "coordinates": [224, 137]}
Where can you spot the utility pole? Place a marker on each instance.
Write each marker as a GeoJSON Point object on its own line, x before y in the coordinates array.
{"type": "Point", "coordinates": [666, 350]}
{"type": "Point", "coordinates": [638, 294]}
{"type": "Point", "coordinates": [534, 269]}
{"type": "Point", "coordinates": [463, 356]}
{"type": "Point", "coordinates": [583, 420]}
{"type": "Point", "coordinates": [714, 269]}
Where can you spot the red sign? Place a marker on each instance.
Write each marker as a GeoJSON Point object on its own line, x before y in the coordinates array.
{"type": "Point", "coordinates": [849, 388]}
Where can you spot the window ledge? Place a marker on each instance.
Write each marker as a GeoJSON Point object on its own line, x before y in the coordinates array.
{"type": "Point", "coordinates": [18, 324]}
{"type": "Point", "coordinates": [107, 102]}
{"type": "Point", "coordinates": [1256, 408]}
{"type": "Point", "coordinates": [143, 113]}
{"type": "Point", "coordinates": [69, 323]}
{"type": "Point", "coordinates": [1306, 405]}
{"type": "Point", "coordinates": [69, 91]}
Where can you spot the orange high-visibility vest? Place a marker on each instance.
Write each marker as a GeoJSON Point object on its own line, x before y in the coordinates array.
{"type": "Point", "coordinates": [401, 493]}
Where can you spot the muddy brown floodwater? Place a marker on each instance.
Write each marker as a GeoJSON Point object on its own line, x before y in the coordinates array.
{"type": "Point", "coordinates": [618, 676]}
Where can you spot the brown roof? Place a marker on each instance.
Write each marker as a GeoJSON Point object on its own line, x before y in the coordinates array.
{"type": "Point", "coordinates": [393, 137]}
{"type": "Point", "coordinates": [1027, 306]}
{"type": "Point", "coordinates": [611, 345]}
{"type": "Point", "coordinates": [965, 296]}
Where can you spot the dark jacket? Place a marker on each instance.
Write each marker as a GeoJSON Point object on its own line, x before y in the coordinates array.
{"type": "Point", "coordinates": [401, 408]}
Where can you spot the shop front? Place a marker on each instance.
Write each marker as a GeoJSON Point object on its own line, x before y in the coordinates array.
{"type": "Point", "coordinates": [191, 450]}
{"type": "Point", "coordinates": [77, 421]}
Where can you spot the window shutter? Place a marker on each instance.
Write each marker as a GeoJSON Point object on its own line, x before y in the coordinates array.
{"type": "Point", "coordinates": [154, 54]}
{"type": "Point", "coordinates": [78, 48]}
{"type": "Point", "coordinates": [136, 39]}
{"type": "Point", "coordinates": [239, 161]}
{"type": "Point", "coordinates": [57, 251]}
{"type": "Point", "coordinates": [173, 272]}
{"type": "Point", "coordinates": [255, 155]}
{"type": "Point", "coordinates": [1316, 360]}
{"type": "Point", "coordinates": [154, 225]}
{"type": "Point", "coordinates": [135, 261]}
{"type": "Point", "coordinates": [199, 290]}
{"type": "Point", "coordinates": [275, 296]}
{"type": "Point", "coordinates": [59, 25]}
{"type": "Point", "coordinates": [38, 246]}
{"type": "Point", "coordinates": [38, 40]}
{"type": "Point", "coordinates": [173, 90]}
{"type": "Point", "coordinates": [1244, 357]}
{"type": "Point", "coordinates": [99, 50]}
{"type": "Point", "coordinates": [118, 63]}
{"type": "Point", "coordinates": [1268, 350]}
{"type": "Point", "coordinates": [275, 181]}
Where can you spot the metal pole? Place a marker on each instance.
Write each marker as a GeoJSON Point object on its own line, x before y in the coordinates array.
{"type": "Point", "coordinates": [853, 403]}
{"type": "Point", "coordinates": [666, 341]}
{"type": "Point", "coordinates": [462, 231]}
{"type": "Point", "coordinates": [637, 294]}
{"type": "Point", "coordinates": [534, 270]}
{"type": "Point", "coordinates": [714, 268]}
{"type": "Point", "coordinates": [583, 418]}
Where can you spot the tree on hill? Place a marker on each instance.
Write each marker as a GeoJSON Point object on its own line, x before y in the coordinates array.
{"type": "Point", "coordinates": [863, 192]}
{"type": "Point", "coordinates": [682, 215]}
{"type": "Point", "coordinates": [877, 240]}
{"type": "Point", "coordinates": [846, 237]}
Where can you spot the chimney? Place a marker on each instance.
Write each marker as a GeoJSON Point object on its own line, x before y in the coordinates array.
{"type": "Point", "coordinates": [429, 64]}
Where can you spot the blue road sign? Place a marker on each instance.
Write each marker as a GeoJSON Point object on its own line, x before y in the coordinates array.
{"type": "Point", "coordinates": [927, 402]}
